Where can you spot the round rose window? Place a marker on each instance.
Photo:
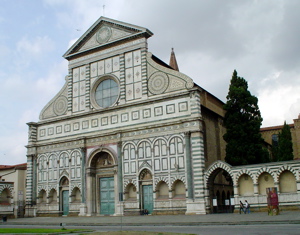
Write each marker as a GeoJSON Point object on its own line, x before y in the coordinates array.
{"type": "Point", "coordinates": [107, 93]}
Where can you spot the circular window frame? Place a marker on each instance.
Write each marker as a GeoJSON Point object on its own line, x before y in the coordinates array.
{"type": "Point", "coordinates": [95, 86]}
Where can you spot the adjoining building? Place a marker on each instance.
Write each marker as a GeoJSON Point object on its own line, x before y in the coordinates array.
{"type": "Point", "coordinates": [129, 134]}
{"type": "Point", "coordinates": [12, 190]}
{"type": "Point", "coordinates": [270, 135]}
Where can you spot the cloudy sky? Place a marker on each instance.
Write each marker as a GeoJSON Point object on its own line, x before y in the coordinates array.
{"type": "Point", "coordinates": [211, 38]}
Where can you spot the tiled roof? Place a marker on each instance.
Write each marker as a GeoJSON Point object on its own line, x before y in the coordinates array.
{"type": "Point", "coordinates": [18, 166]}
{"type": "Point", "coordinates": [272, 128]}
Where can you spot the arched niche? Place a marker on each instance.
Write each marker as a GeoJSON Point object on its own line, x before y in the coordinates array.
{"type": "Point", "coordinates": [287, 182]}
{"type": "Point", "coordinates": [178, 190]}
{"type": "Point", "coordinates": [265, 180]}
{"type": "Point", "coordinates": [246, 187]}
{"type": "Point", "coordinates": [162, 190]}
{"type": "Point", "coordinates": [130, 192]}
{"type": "Point", "coordinates": [76, 195]}
{"type": "Point", "coordinates": [5, 197]}
{"type": "Point", "coordinates": [53, 196]}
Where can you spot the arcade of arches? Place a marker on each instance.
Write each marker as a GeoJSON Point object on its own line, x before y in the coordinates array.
{"type": "Point", "coordinates": [227, 185]}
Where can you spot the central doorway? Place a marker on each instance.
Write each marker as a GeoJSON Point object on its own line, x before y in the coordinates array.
{"type": "Point", "coordinates": [107, 196]}
{"type": "Point", "coordinates": [102, 181]}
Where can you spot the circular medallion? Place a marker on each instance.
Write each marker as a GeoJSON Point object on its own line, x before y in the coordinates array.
{"type": "Point", "coordinates": [61, 105]}
{"type": "Point", "coordinates": [158, 83]}
{"type": "Point", "coordinates": [103, 34]}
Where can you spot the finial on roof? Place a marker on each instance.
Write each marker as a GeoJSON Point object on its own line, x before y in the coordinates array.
{"type": "Point", "coordinates": [173, 62]}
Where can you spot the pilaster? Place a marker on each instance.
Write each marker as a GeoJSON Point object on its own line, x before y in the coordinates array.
{"type": "Point", "coordinates": [189, 172]}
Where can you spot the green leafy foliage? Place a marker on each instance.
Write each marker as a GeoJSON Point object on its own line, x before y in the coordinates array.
{"type": "Point", "coordinates": [242, 121]}
{"type": "Point", "coordinates": [284, 150]}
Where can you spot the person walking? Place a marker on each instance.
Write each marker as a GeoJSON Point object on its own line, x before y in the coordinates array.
{"type": "Point", "coordinates": [241, 207]}
{"type": "Point", "coordinates": [247, 207]}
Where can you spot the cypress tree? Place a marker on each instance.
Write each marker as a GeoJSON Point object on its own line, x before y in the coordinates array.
{"type": "Point", "coordinates": [242, 121]}
{"type": "Point", "coordinates": [285, 145]}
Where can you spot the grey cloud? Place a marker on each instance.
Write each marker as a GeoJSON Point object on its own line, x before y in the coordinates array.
{"type": "Point", "coordinates": [285, 46]}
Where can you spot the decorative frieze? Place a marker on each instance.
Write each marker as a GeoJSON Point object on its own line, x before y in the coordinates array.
{"type": "Point", "coordinates": [117, 119]}
{"type": "Point", "coordinates": [61, 146]}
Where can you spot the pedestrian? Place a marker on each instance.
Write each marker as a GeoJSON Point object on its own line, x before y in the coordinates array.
{"type": "Point", "coordinates": [241, 207]}
{"type": "Point", "coordinates": [247, 207]}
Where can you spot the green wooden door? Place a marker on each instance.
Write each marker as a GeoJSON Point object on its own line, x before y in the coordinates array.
{"type": "Point", "coordinates": [65, 202]}
{"type": "Point", "coordinates": [107, 196]}
{"type": "Point", "coordinates": [148, 198]}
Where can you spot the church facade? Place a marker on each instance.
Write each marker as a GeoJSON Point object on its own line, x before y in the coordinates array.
{"type": "Point", "coordinates": [124, 134]}
{"type": "Point", "coordinates": [128, 134]}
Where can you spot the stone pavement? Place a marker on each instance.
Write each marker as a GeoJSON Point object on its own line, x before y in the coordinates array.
{"type": "Point", "coordinates": [285, 217]}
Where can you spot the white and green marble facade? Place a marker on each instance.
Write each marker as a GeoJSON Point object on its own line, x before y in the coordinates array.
{"type": "Point", "coordinates": [162, 130]}
{"type": "Point", "coordinates": [154, 125]}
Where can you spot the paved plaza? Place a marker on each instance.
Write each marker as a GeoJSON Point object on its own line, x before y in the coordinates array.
{"type": "Point", "coordinates": [285, 217]}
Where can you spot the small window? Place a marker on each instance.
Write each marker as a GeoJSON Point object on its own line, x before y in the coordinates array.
{"type": "Point", "coordinates": [275, 140]}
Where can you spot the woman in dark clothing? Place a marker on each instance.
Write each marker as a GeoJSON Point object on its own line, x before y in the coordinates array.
{"type": "Point", "coordinates": [241, 207]}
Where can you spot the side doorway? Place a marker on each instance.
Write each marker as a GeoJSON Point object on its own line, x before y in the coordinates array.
{"type": "Point", "coordinates": [65, 202]}
{"type": "Point", "coordinates": [220, 187]}
{"type": "Point", "coordinates": [64, 195]}
{"type": "Point", "coordinates": [148, 198]}
{"type": "Point", "coordinates": [146, 188]}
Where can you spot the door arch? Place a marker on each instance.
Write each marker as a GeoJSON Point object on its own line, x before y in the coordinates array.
{"type": "Point", "coordinates": [220, 187]}
{"type": "Point", "coordinates": [101, 178]}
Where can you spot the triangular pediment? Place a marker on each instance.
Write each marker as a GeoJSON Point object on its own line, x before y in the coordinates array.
{"type": "Point", "coordinates": [106, 32]}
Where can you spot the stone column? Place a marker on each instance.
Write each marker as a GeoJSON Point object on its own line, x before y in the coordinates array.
{"type": "Point", "coordinates": [83, 178]}
{"type": "Point", "coordinates": [236, 195]}
{"type": "Point", "coordinates": [276, 185]}
{"type": "Point", "coordinates": [29, 187]}
{"type": "Point", "coordinates": [83, 206]}
{"type": "Point", "coordinates": [120, 169]}
{"type": "Point", "coordinates": [90, 175]}
{"type": "Point", "coordinates": [298, 186]}
{"type": "Point", "coordinates": [236, 190]}
{"type": "Point", "coordinates": [189, 171]}
{"type": "Point", "coordinates": [255, 188]}
{"type": "Point", "coordinates": [34, 183]}
{"type": "Point", "coordinates": [120, 205]}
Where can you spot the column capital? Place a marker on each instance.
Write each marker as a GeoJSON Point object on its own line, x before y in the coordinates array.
{"type": "Point", "coordinates": [120, 144]}
{"type": "Point", "coordinates": [187, 134]}
{"type": "Point", "coordinates": [31, 155]}
{"type": "Point", "coordinates": [90, 172]}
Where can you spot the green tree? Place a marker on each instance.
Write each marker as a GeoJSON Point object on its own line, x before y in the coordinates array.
{"type": "Point", "coordinates": [242, 121]}
{"type": "Point", "coordinates": [285, 146]}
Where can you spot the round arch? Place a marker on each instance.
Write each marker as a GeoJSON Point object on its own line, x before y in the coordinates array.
{"type": "Point", "coordinates": [105, 154]}
{"type": "Point", "coordinates": [146, 190]}
{"type": "Point", "coordinates": [102, 177]}
{"type": "Point", "coordinates": [219, 182]}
